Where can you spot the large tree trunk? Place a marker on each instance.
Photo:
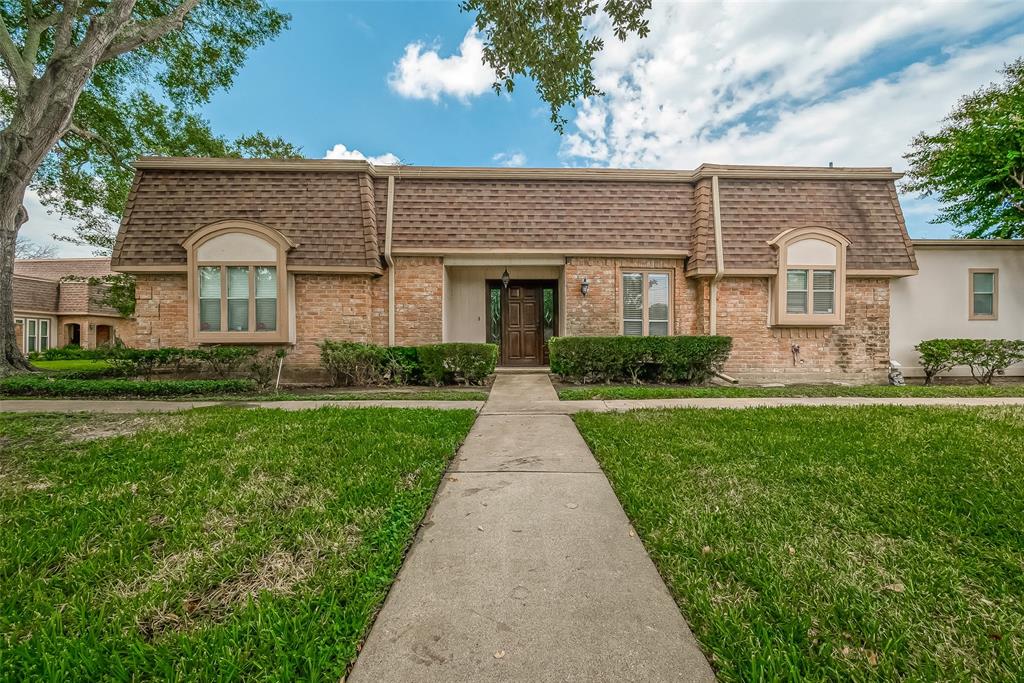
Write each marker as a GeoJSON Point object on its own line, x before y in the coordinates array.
{"type": "Point", "coordinates": [13, 360]}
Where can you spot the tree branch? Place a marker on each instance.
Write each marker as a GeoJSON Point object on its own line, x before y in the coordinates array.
{"type": "Point", "coordinates": [35, 28]}
{"type": "Point", "coordinates": [62, 38]}
{"type": "Point", "coordinates": [138, 33]}
{"type": "Point", "coordinates": [12, 58]}
{"type": "Point", "coordinates": [111, 149]}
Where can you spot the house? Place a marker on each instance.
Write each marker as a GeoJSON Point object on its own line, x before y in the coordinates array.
{"type": "Point", "coordinates": [796, 264]}
{"type": "Point", "coordinates": [966, 289]}
{"type": "Point", "coordinates": [55, 304]}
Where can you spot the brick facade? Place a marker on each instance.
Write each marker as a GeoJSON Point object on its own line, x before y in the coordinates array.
{"type": "Point", "coordinates": [855, 352]}
{"type": "Point", "coordinates": [419, 300]}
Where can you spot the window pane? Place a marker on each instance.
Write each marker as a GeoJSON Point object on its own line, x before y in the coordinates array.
{"type": "Point", "coordinates": [238, 299]}
{"type": "Point", "coordinates": [44, 335]}
{"type": "Point", "coordinates": [824, 302]}
{"type": "Point", "coordinates": [796, 302]}
{"type": "Point", "coordinates": [209, 282]}
{"type": "Point", "coordinates": [266, 298]}
{"type": "Point", "coordinates": [209, 315]}
{"type": "Point", "coordinates": [657, 298]}
{"type": "Point", "coordinates": [31, 336]}
{"type": "Point", "coordinates": [984, 283]}
{"type": "Point", "coordinates": [494, 316]}
{"type": "Point", "coordinates": [633, 304]}
{"type": "Point", "coordinates": [657, 329]}
{"type": "Point", "coordinates": [983, 304]}
{"type": "Point", "coordinates": [238, 282]}
{"type": "Point", "coordinates": [549, 313]}
{"type": "Point", "coordinates": [796, 280]}
{"type": "Point", "coordinates": [824, 280]}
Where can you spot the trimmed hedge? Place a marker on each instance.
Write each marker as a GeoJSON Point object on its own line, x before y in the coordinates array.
{"type": "Point", "coordinates": [358, 364]}
{"type": "Point", "coordinates": [984, 357]}
{"type": "Point", "coordinates": [457, 363]}
{"type": "Point", "coordinates": [72, 352]}
{"type": "Point", "coordinates": [684, 360]}
{"type": "Point", "coordinates": [59, 387]}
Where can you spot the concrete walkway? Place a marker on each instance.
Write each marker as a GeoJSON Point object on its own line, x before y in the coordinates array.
{"type": "Point", "coordinates": [526, 568]}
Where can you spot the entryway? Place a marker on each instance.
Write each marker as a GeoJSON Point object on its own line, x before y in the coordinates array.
{"type": "Point", "coordinates": [521, 317]}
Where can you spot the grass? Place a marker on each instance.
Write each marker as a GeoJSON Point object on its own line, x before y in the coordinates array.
{"type": "Point", "coordinates": [833, 543]}
{"type": "Point", "coordinates": [210, 545]}
{"type": "Point", "coordinates": [614, 391]}
{"type": "Point", "coordinates": [373, 395]}
{"type": "Point", "coordinates": [80, 365]}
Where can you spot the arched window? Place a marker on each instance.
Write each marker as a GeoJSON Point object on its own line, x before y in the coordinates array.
{"type": "Point", "coordinates": [237, 283]}
{"type": "Point", "coordinates": [810, 289]}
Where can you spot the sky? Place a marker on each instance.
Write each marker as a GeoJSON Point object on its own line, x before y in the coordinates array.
{"type": "Point", "coordinates": [801, 83]}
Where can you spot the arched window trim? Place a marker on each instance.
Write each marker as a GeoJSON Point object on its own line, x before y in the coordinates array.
{"type": "Point", "coordinates": [782, 242]}
{"type": "Point", "coordinates": [282, 246]}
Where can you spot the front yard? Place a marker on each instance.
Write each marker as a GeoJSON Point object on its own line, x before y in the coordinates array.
{"type": "Point", "coordinates": [874, 543]}
{"type": "Point", "coordinates": [215, 544]}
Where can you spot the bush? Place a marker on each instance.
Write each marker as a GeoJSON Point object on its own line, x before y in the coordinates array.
{"type": "Point", "coordinates": [59, 387]}
{"type": "Point", "coordinates": [638, 359]}
{"type": "Point", "coordinates": [984, 357]}
{"type": "Point", "coordinates": [457, 363]}
{"type": "Point", "coordinates": [222, 361]}
{"type": "Point", "coordinates": [354, 363]}
{"type": "Point", "coordinates": [263, 368]}
{"type": "Point", "coordinates": [403, 365]}
{"type": "Point", "coordinates": [937, 356]}
{"type": "Point", "coordinates": [71, 352]}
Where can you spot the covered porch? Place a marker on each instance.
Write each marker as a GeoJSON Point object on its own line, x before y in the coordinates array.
{"type": "Point", "coordinates": [514, 302]}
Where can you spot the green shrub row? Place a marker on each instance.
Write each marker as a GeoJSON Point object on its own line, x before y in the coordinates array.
{"type": "Point", "coordinates": [72, 352]}
{"type": "Point", "coordinates": [984, 357]}
{"type": "Point", "coordinates": [60, 387]}
{"type": "Point", "coordinates": [684, 360]}
{"type": "Point", "coordinates": [358, 364]}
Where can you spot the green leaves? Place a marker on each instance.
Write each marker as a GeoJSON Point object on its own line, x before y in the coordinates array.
{"type": "Point", "coordinates": [975, 163]}
{"type": "Point", "coordinates": [551, 42]}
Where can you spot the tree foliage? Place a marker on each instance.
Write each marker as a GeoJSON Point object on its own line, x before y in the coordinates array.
{"type": "Point", "coordinates": [975, 163]}
{"type": "Point", "coordinates": [550, 43]}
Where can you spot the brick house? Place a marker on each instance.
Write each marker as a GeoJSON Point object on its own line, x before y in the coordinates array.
{"type": "Point", "coordinates": [55, 306]}
{"type": "Point", "coordinates": [795, 264]}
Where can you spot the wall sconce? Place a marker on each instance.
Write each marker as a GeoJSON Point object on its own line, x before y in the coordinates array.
{"type": "Point", "coordinates": [505, 278]}
{"type": "Point", "coordinates": [585, 286]}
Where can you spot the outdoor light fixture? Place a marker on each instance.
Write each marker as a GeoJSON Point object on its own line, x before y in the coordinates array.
{"type": "Point", "coordinates": [505, 278]}
{"type": "Point", "coordinates": [585, 286]}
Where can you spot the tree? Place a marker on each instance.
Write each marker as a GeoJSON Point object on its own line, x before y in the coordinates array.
{"type": "Point", "coordinates": [26, 248]}
{"type": "Point", "coordinates": [975, 163]}
{"type": "Point", "coordinates": [86, 85]}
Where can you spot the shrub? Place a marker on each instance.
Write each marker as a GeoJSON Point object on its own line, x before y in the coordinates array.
{"type": "Point", "coordinates": [263, 368]}
{"type": "Point", "coordinates": [460, 363]}
{"type": "Point", "coordinates": [403, 365]}
{"type": "Point", "coordinates": [224, 360]}
{"type": "Point", "coordinates": [354, 363]}
{"type": "Point", "coordinates": [59, 387]}
{"type": "Point", "coordinates": [638, 359]}
{"type": "Point", "coordinates": [71, 352]}
{"type": "Point", "coordinates": [937, 356]}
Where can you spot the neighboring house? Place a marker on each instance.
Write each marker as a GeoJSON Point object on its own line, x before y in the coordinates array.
{"type": "Point", "coordinates": [50, 310]}
{"type": "Point", "coordinates": [796, 264]}
{"type": "Point", "coordinates": [972, 289]}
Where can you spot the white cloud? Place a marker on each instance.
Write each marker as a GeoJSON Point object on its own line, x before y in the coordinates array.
{"type": "Point", "coordinates": [786, 83]}
{"type": "Point", "coordinates": [510, 159]}
{"type": "Point", "coordinates": [340, 151]}
{"type": "Point", "coordinates": [41, 225]}
{"type": "Point", "coordinates": [423, 74]}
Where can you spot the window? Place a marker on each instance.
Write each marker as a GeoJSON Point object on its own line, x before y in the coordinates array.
{"type": "Point", "coordinates": [646, 304]}
{"type": "Point", "coordinates": [984, 294]}
{"type": "Point", "coordinates": [237, 279]}
{"type": "Point", "coordinates": [37, 333]}
{"type": "Point", "coordinates": [810, 286]}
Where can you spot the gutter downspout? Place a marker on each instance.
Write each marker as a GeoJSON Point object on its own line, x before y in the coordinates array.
{"type": "Point", "coordinates": [389, 260]}
{"type": "Point", "coordinates": [719, 256]}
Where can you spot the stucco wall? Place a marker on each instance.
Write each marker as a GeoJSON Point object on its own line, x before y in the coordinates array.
{"type": "Point", "coordinates": [934, 303]}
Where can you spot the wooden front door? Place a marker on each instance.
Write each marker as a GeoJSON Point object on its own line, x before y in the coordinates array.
{"type": "Point", "coordinates": [522, 334]}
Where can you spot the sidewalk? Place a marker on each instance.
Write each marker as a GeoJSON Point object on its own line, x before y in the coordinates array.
{"type": "Point", "coordinates": [526, 568]}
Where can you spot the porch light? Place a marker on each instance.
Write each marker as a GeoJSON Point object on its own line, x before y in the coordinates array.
{"type": "Point", "coordinates": [505, 278]}
{"type": "Point", "coordinates": [585, 286]}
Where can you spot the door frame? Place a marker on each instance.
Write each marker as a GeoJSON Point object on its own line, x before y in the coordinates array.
{"type": "Point", "coordinates": [539, 283]}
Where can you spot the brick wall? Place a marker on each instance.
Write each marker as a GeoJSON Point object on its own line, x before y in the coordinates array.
{"type": "Point", "coordinates": [855, 352]}
{"type": "Point", "coordinates": [161, 311]}
{"type": "Point", "coordinates": [419, 299]}
{"type": "Point", "coordinates": [329, 306]}
{"type": "Point", "coordinates": [597, 313]}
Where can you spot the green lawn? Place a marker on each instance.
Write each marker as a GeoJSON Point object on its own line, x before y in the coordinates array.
{"type": "Point", "coordinates": [873, 543]}
{"type": "Point", "coordinates": [80, 365]}
{"type": "Point", "coordinates": [618, 391]}
{"type": "Point", "coordinates": [210, 545]}
{"type": "Point", "coordinates": [425, 394]}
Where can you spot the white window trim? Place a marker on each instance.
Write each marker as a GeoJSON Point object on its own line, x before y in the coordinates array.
{"type": "Point", "coordinates": [810, 319]}
{"type": "Point", "coordinates": [971, 315]}
{"type": "Point", "coordinates": [645, 325]}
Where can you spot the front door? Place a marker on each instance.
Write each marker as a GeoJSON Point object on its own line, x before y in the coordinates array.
{"type": "Point", "coordinates": [522, 339]}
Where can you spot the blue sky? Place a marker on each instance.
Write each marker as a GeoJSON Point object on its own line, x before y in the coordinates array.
{"type": "Point", "coordinates": [770, 83]}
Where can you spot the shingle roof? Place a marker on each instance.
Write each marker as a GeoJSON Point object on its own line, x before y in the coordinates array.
{"type": "Point", "coordinates": [56, 268]}
{"type": "Point", "coordinates": [336, 211]}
